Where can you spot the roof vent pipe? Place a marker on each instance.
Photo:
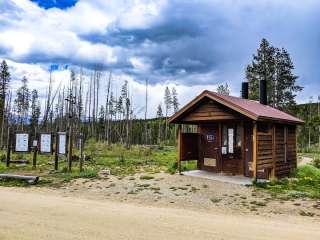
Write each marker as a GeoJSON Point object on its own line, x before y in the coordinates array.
{"type": "Point", "coordinates": [245, 90]}
{"type": "Point", "coordinates": [263, 92]}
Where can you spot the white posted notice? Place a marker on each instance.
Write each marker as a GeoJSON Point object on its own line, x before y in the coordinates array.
{"type": "Point", "coordinates": [62, 143]}
{"type": "Point", "coordinates": [45, 143]}
{"type": "Point", "coordinates": [22, 142]}
{"type": "Point", "coordinates": [230, 140]}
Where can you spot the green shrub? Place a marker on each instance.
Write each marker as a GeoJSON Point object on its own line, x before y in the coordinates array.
{"type": "Point", "coordinates": [2, 158]}
{"type": "Point", "coordinates": [304, 182]}
{"type": "Point", "coordinates": [316, 161]}
{"type": "Point", "coordinates": [308, 171]}
{"type": "Point", "coordinates": [172, 167]}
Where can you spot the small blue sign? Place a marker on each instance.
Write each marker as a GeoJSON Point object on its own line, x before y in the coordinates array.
{"type": "Point", "coordinates": [210, 137]}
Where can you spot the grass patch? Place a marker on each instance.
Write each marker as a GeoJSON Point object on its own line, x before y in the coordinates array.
{"type": "Point", "coordinates": [215, 200]}
{"type": "Point", "coordinates": [146, 177]}
{"type": "Point", "coordinates": [304, 182]}
{"type": "Point", "coordinates": [116, 158]}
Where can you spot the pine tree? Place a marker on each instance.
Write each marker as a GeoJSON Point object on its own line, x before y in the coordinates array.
{"type": "Point", "coordinates": [175, 101]}
{"type": "Point", "coordinates": [4, 83]}
{"type": "Point", "coordinates": [223, 89]}
{"type": "Point", "coordinates": [275, 66]}
{"type": "Point", "coordinates": [261, 68]}
{"type": "Point", "coordinates": [285, 81]}
{"type": "Point", "coordinates": [35, 110]}
{"type": "Point", "coordinates": [22, 102]}
{"type": "Point", "coordinates": [159, 117]}
{"type": "Point", "coordinates": [168, 104]}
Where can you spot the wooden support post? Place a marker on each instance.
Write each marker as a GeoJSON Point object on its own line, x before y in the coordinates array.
{"type": "Point", "coordinates": [81, 153]}
{"type": "Point", "coordinates": [273, 171]}
{"type": "Point", "coordinates": [179, 149]}
{"type": "Point", "coordinates": [254, 142]}
{"type": "Point", "coordinates": [70, 149]}
{"type": "Point", "coordinates": [219, 161]}
{"type": "Point", "coordinates": [199, 162]}
{"type": "Point", "coordinates": [8, 148]}
{"type": "Point", "coordinates": [296, 138]}
{"type": "Point", "coordinates": [56, 153]}
{"type": "Point", "coordinates": [243, 152]}
{"type": "Point", "coordinates": [34, 158]}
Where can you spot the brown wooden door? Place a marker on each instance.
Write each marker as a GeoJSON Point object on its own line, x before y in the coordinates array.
{"type": "Point", "coordinates": [189, 146]}
{"type": "Point", "coordinates": [248, 150]}
{"type": "Point", "coordinates": [210, 148]}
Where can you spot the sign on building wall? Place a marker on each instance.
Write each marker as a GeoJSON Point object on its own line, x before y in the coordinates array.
{"type": "Point", "coordinates": [230, 140]}
{"type": "Point", "coordinates": [45, 143]}
{"type": "Point", "coordinates": [210, 137]}
{"type": "Point", "coordinates": [210, 162]}
{"type": "Point", "coordinates": [22, 142]}
{"type": "Point", "coordinates": [62, 143]}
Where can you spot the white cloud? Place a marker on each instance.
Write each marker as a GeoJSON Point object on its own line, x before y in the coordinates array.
{"type": "Point", "coordinates": [32, 37]}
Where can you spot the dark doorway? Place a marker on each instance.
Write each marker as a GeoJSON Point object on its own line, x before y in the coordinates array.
{"type": "Point", "coordinates": [248, 150]}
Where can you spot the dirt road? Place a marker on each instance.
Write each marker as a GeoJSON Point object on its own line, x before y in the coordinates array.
{"type": "Point", "coordinates": [29, 215]}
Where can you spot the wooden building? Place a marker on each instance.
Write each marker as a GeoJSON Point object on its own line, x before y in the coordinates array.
{"type": "Point", "coordinates": [237, 136]}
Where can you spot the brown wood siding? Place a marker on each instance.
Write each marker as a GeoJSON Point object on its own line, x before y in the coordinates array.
{"type": "Point", "coordinates": [286, 152]}
{"type": "Point", "coordinates": [210, 110]}
{"type": "Point", "coordinates": [264, 151]}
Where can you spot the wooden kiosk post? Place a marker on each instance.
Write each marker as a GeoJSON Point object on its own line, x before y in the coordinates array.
{"type": "Point", "coordinates": [8, 148]}
{"type": "Point", "coordinates": [70, 149]}
{"type": "Point", "coordinates": [81, 153]}
{"type": "Point", "coordinates": [56, 152]}
{"type": "Point", "coordinates": [34, 157]}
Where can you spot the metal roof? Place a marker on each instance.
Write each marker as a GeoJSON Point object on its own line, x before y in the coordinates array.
{"type": "Point", "coordinates": [250, 108]}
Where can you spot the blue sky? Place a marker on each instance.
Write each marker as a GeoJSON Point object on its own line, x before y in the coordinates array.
{"type": "Point", "coordinates": [62, 4]}
{"type": "Point", "coordinates": [189, 44]}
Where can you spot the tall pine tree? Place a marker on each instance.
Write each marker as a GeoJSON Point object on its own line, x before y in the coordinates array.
{"type": "Point", "coordinates": [35, 110]}
{"type": "Point", "coordinates": [175, 101]}
{"type": "Point", "coordinates": [275, 66]}
{"type": "Point", "coordinates": [22, 102]}
{"type": "Point", "coordinates": [4, 83]}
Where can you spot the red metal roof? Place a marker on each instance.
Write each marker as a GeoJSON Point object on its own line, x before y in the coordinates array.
{"type": "Point", "coordinates": [251, 108]}
{"type": "Point", "coordinates": [257, 109]}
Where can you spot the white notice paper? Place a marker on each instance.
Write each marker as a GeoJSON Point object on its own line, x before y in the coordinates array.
{"type": "Point", "coordinates": [45, 143]}
{"type": "Point", "coordinates": [230, 140]}
{"type": "Point", "coordinates": [62, 144]}
{"type": "Point", "coordinates": [22, 142]}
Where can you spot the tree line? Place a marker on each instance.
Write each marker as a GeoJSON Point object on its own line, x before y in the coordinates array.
{"type": "Point", "coordinates": [100, 113]}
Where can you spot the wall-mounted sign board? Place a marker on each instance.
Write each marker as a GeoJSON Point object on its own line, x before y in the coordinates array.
{"type": "Point", "coordinates": [210, 137]}
{"type": "Point", "coordinates": [230, 139]}
{"type": "Point", "coordinates": [62, 143]}
{"type": "Point", "coordinates": [46, 143]}
{"type": "Point", "coordinates": [22, 142]}
{"type": "Point", "coordinates": [210, 162]}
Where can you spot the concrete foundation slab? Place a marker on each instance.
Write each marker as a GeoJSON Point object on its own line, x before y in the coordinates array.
{"type": "Point", "coordinates": [238, 179]}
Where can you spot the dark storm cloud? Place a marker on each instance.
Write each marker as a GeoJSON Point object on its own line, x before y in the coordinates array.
{"type": "Point", "coordinates": [39, 58]}
{"type": "Point", "coordinates": [203, 36]}
{"type": "Point", "coordinates": [191, 39]}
